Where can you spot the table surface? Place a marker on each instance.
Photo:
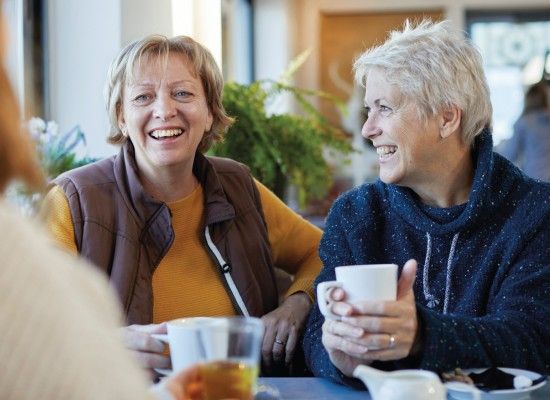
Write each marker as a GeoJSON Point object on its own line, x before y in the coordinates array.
{"type": "Point", "coordinates": [321, 389]}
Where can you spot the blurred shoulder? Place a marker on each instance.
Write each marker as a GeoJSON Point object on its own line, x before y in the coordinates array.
{"type": "Point", "coordinates": [28, 251]}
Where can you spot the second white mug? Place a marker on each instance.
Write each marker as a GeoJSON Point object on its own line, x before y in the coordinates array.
{"type": "Point", "coordinates": [184, 340]}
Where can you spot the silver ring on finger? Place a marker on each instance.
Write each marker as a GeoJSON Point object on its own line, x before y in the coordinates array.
{"type": "Point", "coordinates": [392, 342]}
{"type": "Point", "coordinates": [282, 343]}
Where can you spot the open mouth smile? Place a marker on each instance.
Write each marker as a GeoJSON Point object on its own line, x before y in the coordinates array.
{"type": "Point", "coordinates": [385, 152]}
{"type": "Point", "coordinates": [161, 134]}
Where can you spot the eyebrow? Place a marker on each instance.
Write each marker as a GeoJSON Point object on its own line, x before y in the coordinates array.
{"type": "Point", "coordinates": [149, 84]}
{"type": "Point", "coordinates": [376, 102]}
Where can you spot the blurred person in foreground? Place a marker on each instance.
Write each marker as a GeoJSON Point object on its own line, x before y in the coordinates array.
{"type": "Point", "coordinates": [529, 147]}
{"type": "Point", "coordinates": [469, 231]}
{"type": "Point", "coordinates": [181, 234]}
{"type": "Point", "coordinates": [60, 335]}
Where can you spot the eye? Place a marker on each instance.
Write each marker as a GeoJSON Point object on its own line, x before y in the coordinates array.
{"type": "Point", "coordinates": [182, 94]}
{"type": "Point", "coordinates": [385, 109]}
{"type": "Point", "coordinates": [142, 98]}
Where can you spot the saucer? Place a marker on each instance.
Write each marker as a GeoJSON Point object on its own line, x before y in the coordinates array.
{"type": "Point", "coordinates": [459, 393]}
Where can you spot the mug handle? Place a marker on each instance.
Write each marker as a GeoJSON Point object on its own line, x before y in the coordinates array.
{"type": "Point", "coordinates": [163, 338]}
{"type": "Point", "coordinates": [475, 392]}
{"type": "Point", "coordinates": [322, 289]}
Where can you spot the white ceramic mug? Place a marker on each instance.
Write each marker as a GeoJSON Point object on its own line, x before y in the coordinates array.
{"type": "Point", "coordinates": [370, 282]}
{"type": "Point", "coordinates": [184, 340]}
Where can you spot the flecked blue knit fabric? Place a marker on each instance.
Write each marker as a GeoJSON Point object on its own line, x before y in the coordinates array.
{"type": "Point", "coordinates": [485, 301]}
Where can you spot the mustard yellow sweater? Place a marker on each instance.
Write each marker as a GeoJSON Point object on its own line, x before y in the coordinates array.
{"type": "Point", "coordinates": [186, 282]}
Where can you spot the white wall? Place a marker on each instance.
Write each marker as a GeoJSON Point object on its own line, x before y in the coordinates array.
{"type": "Point", "coordinates": [13, 15]}
{"type": "Point", "coordinates": [83, 38]}
{"type": "Point", "coordinates": [142, 17]}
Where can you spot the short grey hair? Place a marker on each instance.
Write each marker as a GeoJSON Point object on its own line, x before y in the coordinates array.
{"type": "Point", "coordinates": [434, 67]}
{"type": "Point", "coordinates": [158, 47]}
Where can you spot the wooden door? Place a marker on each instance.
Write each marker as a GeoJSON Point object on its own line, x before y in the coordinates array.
{"type": "Point", "coordinates": [344, 37]}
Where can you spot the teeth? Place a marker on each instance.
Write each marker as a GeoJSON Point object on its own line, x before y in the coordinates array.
{"type": "Point", "coordinates": [384, 150]}
{"type": "Point", "coordinates": [162, 133]}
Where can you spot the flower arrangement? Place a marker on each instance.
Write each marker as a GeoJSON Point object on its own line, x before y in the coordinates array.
{"type": "Point", "coordinates": [58, 152]}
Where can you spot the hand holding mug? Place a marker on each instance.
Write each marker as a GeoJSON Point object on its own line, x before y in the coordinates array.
{"type": "Point", "coordinates": [374, 282]}
{"type": "Point", "coordinates": [372, 330]}
{"type": "Point", "coordinates": [149, 350]}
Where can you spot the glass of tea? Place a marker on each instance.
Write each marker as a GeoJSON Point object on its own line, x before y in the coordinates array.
{"type": "Point", "coordinates": [231, 348]}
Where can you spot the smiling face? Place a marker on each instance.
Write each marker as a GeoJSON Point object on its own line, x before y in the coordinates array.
{"type": "Point", "coordinates": [408, 148]}
{"type": "Point", "coordinates": [165, 114]}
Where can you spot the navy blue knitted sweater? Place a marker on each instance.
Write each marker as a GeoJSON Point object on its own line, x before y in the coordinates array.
{"type": "Point", "coordinates": [483, 279]}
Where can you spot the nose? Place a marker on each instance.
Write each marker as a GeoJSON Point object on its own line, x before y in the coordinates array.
{"type": "Point", "coordinates": [165, 108]}
{"type": "Point", "coordinates": [370, 128]}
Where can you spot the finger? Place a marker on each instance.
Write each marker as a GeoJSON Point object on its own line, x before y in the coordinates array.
{"type": "Point", "coordinates": [151, 328]}
{"type": "Point", "coordinates": [382, 309]}
{"type": "Point", "coordinates": [372, 341]}
{"type": "Point", "coordinates": [374, 324]}
{"type": "Point", "coordinates": [340, 308]}
{"type": "Point", "coordinates": [141, 341]}
{"type": "Point", "coordinates": [269, 339]}
{"type": "Point", "coordinates": [291, 343]}
{"type": "Point", "coordinates": [335, 294]}
{"type": "Point", "coordinates": [280, 342]}
{"type": "Point", "coordinates": [152, 360]}
{"type": "Point", "coordinates": [333, 342]}
{"type": "Point", "coordinates": [407, 278]}
{"type": "Point", "coordinates": [342, 329]}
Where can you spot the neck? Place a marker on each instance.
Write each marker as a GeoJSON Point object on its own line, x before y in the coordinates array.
{"type": "Point", "coordinates": [169, 184]}
{"type": "Point", "coordinates": [450, 183]}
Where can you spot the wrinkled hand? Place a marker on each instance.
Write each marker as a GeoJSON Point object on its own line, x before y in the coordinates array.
{"type": "Point", "coordinates": [148, 349]}
{"type": "Point", "coordinates": [365, 331]}
{"type": "Point", "coordinates": [186, 385]}
{"type": "Point", "coordinates": [283, 327]}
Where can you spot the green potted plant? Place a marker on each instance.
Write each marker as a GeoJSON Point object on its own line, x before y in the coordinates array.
{"type": "Point", "coordinates": [282, 149]}
{"type": "Point", "coordinates": [57, 153]}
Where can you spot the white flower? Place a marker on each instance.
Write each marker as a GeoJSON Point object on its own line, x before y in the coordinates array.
{"type": "Point", "coordinates": [50, 132]}
{"type": "Point", "coordinates": [36, 127]}
{"type": "Point", "coordinates": [52, 128]}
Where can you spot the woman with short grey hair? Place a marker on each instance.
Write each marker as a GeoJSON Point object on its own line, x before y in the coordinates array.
{"type": "Point", "coordinates": [469, 231]}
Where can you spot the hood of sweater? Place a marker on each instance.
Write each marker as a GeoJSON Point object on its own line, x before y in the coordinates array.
{"type": "Point", "coordinates": [484, 197]}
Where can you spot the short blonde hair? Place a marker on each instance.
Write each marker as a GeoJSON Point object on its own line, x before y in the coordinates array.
{"type": "Point", "coordinates": [18, 158]}
{"type": "Point", "coordinates": [435, 67]}
{"type": "Point", "coordinates": [160, 47]}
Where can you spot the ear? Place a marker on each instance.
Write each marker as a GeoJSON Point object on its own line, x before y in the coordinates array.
{"type": "Point", "coordinates": [449, 120]}
{"type": "Point", "coordinates": [122, 123]}
{"type": "Point", "coordinates": [209, 122]}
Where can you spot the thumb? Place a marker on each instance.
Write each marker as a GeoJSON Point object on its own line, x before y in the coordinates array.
{"type": "Point", "coordinates": [407, 278]}
{"type": "Point", "coordinates": [151, 328]}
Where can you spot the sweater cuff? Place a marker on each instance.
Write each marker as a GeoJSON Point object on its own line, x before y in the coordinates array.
{"type": "Point", "coordinates": [301, 285]}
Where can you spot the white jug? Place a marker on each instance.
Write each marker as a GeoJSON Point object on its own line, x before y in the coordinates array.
{"type": "Point", "coordinates": [408, 384]}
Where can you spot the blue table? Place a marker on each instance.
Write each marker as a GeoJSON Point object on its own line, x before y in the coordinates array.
{"type": "Point", "coordinates": [312, 388]}
{"type": "Point", "coordinates": [322, 389]}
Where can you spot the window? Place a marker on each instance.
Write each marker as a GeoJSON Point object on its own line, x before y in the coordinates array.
{"type": "Point", "coordinates": [513, 45]}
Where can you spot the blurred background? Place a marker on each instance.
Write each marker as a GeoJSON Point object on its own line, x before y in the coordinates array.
{"type": "Point", "coordinates": [60, 51]}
